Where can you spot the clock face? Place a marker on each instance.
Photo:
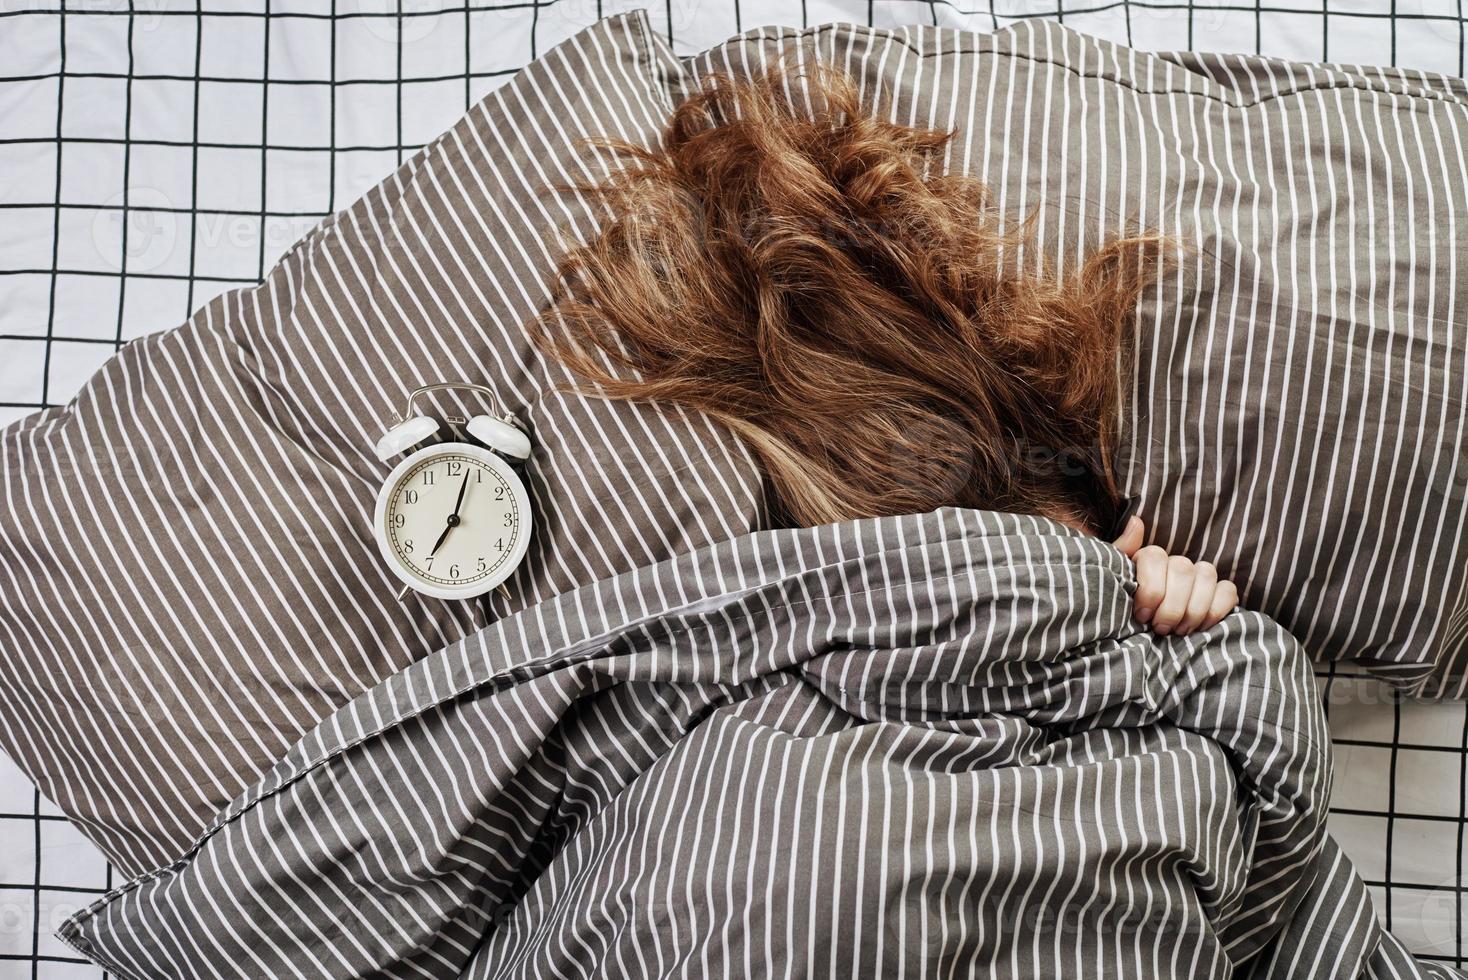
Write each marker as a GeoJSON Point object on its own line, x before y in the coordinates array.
{"type": "Point", "coordinates": [453, 521]}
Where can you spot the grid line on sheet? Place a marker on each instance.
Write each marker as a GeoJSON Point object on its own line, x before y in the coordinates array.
{"type": "Point", "coordinates": [127, 128]}
{"type": "Point", "coordinates": [194, 145]}
{"type": "Point", "coordinates": [1460, 871]}
{"type": "Point", "coordinates": [264, 117]}
{"type": "Point", "coordinates": [56, 221]}
{"type": "Point", "coordinates": [1460, 865]}
{"type": "Point", "coordinates": [383, 79]}
{"type": "Point", "coordinates": [36, 911]}
{"type": "Point", "coordinates": [1391, 806]}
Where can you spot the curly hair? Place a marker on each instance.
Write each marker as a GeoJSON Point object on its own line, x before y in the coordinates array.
{"type": "Point", "coordinates": [808, 275]}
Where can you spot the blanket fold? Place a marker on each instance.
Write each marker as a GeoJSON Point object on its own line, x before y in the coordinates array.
{"type": "Point", "coordinates": [923, 746]}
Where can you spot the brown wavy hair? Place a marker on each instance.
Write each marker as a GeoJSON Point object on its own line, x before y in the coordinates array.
{"type": "Point", "coordinates": [808, 275]}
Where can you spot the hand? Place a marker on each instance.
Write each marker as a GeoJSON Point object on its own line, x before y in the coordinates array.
{"type": "Point", "coordinates": [1174, 594]}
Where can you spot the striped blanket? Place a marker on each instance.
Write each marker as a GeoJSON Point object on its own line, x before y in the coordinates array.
{"type": "Point", "coordinates": [923, 746]}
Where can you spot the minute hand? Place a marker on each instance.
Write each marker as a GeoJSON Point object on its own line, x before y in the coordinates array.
{"type": "Point", "coordinates": [453, 520]}
{"type": "Point", "coordinates": [459, 503]}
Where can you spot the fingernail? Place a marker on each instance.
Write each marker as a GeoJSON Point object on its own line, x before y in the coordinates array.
{"type": "Point", "coordinates": [1145, 614]}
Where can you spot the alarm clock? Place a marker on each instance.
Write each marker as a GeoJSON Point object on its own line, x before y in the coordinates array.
{"type": "Point", "coordinates": [453, 518]}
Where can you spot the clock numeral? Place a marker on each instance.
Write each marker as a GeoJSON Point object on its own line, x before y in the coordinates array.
{"type": "Point", "coordinates": [456, 468]}
{"type": "Point", "coordinates": [478, 476]}
{"type": "Point", "coordinates": [499, 493]}
{"type": "Point", "coordinates": [482, 567]}
{"type": "Point", "coordinates": [454, 572]}
{"type": "Point", "coordinates": [509, 519]}
{"type": "Point", "coordinates": [407, 546]}
{"type": "Point", "coordinates": [430, 563]}
{"type": "Point", "coordinates": [410, 496]}
{"type": "Point", "coordinates": [428, 478]}
{"type": "Point", "coordinates": [499, 544]}
{"type": "Point", "coordinates": [399, 521]}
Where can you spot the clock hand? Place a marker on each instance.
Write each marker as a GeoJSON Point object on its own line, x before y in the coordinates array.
{"type": "Point", "coordinates": [453, 520]}
{"type": "Point", "coordinates": [443, 537]}
{"type": "Point", "coordinates": [458, 504]}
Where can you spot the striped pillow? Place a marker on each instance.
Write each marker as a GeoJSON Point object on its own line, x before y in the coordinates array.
{"type": "Point", "coordinates": [1299, 381]}
{"type": "Point", "coordinates": [188, 579]}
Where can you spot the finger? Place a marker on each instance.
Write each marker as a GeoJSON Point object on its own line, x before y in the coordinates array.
{"type": "Point", "coordinates": [1131, 537]}
{"type": "Point", "coordinates": [1225, 600]}
{"type": "Point", "coordinates": [1151, 582]}
{"type": "Point", "coordinates": [1179, 591]}
{"type": "Point", "coordinates": [1205, 581]}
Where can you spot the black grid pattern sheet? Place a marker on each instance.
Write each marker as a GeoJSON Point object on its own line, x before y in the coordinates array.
{"type": "Point", "coordinates": [154, 153]}
{"type": "Point", "coordinates": [1399, 809]}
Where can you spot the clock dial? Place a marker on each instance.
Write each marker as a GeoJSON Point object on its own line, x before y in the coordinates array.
{"type": "Point", "coordinates": [452, 520]}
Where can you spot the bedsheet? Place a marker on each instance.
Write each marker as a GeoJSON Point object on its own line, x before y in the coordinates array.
{"type": "Point", "coordinates": [168, 151]}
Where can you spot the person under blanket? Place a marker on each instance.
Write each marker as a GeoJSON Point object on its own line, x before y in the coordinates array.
{"type": "Point", "coordinates": [809, 275]}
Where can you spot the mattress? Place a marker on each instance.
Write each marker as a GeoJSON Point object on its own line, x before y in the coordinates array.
{"type": "Point", "coordinates": [152, 159]}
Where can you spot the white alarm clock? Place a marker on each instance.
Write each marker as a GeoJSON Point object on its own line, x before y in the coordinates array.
{"type": "Point", "coordinates": [453, 519]}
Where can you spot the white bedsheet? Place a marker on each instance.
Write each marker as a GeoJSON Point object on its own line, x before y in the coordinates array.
{"type": "Point", "coordinates": [180, 171]}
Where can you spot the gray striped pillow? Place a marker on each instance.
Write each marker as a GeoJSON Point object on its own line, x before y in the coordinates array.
{"type": "Point", "coordinates": [188, 580]}
{"type": "Point", "coordinates": [1297, 412]}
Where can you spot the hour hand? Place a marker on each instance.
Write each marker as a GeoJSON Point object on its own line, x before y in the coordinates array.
{"type": "Point", "coordinates": [453, 522]}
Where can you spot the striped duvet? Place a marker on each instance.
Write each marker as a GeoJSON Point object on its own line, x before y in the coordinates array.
{"type": "Point", "coordinates": [934, 746]}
